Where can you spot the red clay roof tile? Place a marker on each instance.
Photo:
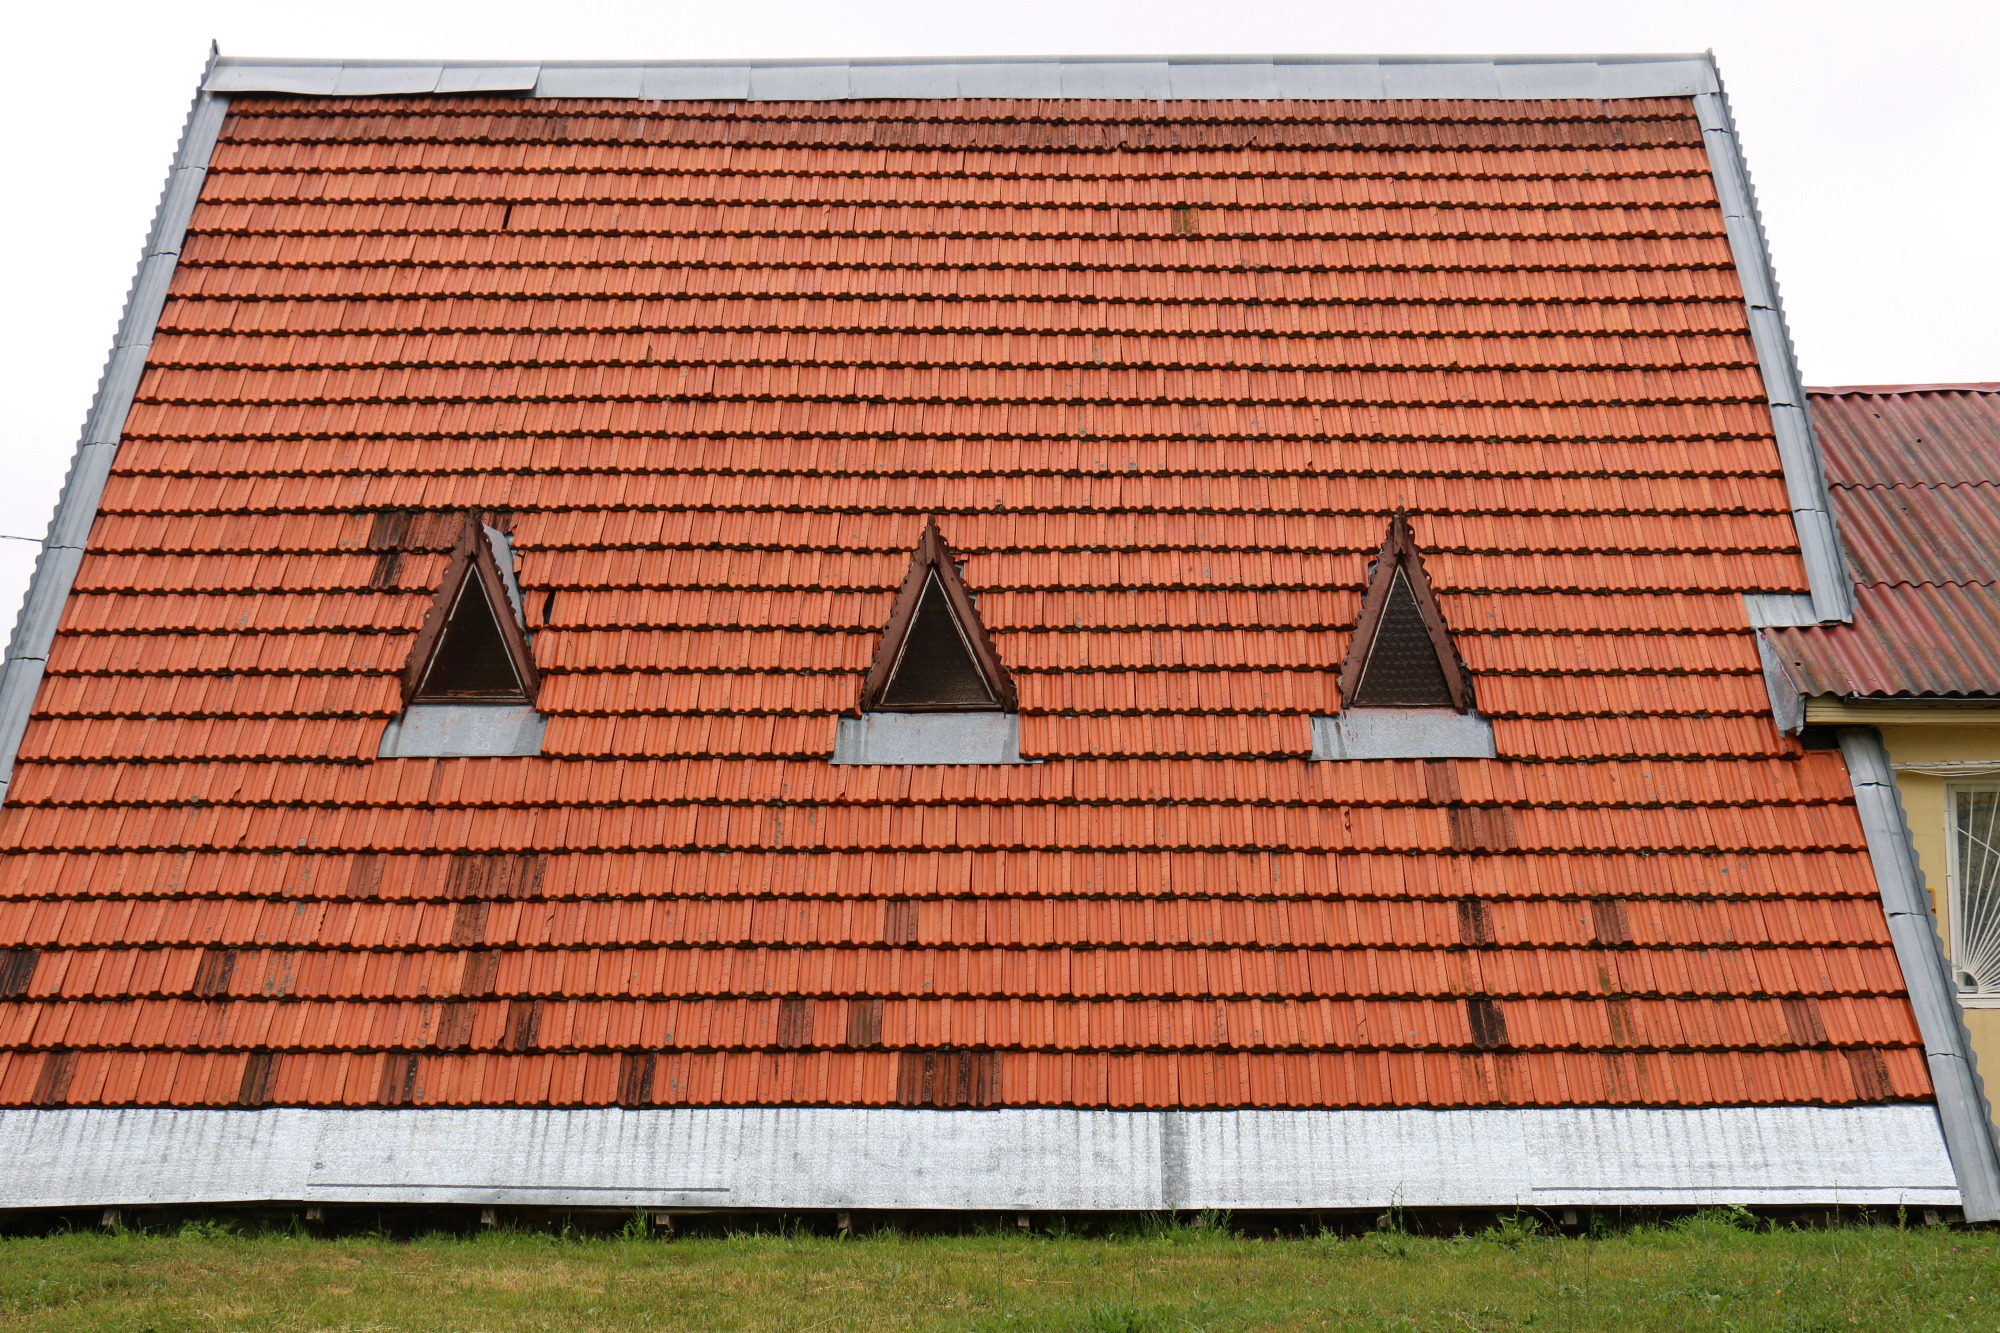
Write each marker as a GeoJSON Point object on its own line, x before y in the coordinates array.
{"type": "Point", "coordinates": [712, 366]}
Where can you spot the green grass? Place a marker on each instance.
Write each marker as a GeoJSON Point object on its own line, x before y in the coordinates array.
{"type": "Point", "coordinates": [1704, 1273]}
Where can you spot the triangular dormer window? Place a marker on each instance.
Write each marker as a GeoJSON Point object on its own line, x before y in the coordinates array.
{"type": "Point", "coordinates": [1402, 655]}
{"type": "Point", "coordinates": [473, 648]}
{"type": "Point", "coordinates": [935, 656]}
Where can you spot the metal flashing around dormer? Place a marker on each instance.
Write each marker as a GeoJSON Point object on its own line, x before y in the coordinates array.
{"type": "Point", "coordinates": [76, 509]}
{"type": "Point", "coordinates": [1507, 77]}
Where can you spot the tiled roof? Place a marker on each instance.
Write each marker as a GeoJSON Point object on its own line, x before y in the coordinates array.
{"type": "Point", "coordinates": [1914, 471]}
{"type": "Point", "coordinates": [1162, 371]}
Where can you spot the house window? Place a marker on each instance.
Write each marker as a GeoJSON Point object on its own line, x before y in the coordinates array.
{"type": "Point", "coordinates": [1974, 887]}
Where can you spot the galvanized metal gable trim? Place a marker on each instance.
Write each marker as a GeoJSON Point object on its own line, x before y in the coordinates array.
{"type": "Point", "coordinates": [1963, 1110]}
{"type": "Point", "coordinates": [1791, 422]}
{"type": "Point", "coordinates": [1506, 77]}
{"type": "Point", "coordinates": [76, 509]}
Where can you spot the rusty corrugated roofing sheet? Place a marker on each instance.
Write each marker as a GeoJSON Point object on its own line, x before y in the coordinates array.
{"type": "Point", "coordinates": [1162, 371]}
{"type": "Point", "coordinates": [1914, 471]}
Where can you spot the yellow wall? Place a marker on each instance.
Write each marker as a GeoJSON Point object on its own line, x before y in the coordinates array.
{"type": "Point", "coordinates": [1923, 805]}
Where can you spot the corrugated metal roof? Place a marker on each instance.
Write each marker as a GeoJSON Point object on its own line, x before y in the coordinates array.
{"type": "Point", "coordinates": [1162, 372]}
{"type": "Point", "coordinates": [1928, 639]}
{"type": "Point", "coordinates": [1911, 435]}
{"type": "Point", "coordinates": [1913, 472]}
{"type": "Point", "coordinates": [1904, 534]}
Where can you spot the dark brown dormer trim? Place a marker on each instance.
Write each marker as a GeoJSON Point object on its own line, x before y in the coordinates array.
{"type": "Point", "coordinates": [934, 565]}
{"type": "Point", "coordinates": [472, 572]}
{"type": "Point", "coordinates": [1399, 566]}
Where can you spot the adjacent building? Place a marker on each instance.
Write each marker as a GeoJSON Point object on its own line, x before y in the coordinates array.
{"type": "Point", "coordinates": [1914, 471]}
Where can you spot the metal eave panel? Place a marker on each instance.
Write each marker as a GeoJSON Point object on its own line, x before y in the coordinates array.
{"type": "Point", "coordinates": [1798, 450]}
{"type": "Point", "coordinates": [842, 1157]}
{"type": "Point", "coordinates": [1116, 79]}
{"type": "Point", "coordinates": [798, 83]}
{"type": "Point", "coordinates": [76, 509]}
{"type": "Point", "coordinates": [1963, 1111]}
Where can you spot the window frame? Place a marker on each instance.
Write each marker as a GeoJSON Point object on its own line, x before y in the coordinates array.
{"type": "Point", "coordinates": [1954, 891]}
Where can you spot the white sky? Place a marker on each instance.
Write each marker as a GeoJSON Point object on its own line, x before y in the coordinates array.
{"type": "Point", "coordinates": [1872, 132]}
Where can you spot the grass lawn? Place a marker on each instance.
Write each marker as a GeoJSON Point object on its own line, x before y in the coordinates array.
{"type": "Point", "coordinates": [1704, 1273]}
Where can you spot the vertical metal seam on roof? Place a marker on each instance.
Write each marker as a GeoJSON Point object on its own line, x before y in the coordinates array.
{"type": "Point", "coordinates": [1899, 876]}
{"type": "Point", "coordinates": [76, 510]}
{"type": "Point", "coordinates": [1791, 420]}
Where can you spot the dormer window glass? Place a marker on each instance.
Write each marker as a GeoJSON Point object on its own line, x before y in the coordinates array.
{"type": "Point", "coordinates": [471, 663]}
{"type": "Point", "coordinates": [935, 668]}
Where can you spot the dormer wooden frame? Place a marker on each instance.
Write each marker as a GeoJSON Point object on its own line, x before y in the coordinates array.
{"type": "Point", "coordinates": [934, 556]}
{"type": "Point", "coordinates": [472, 560]}
{"type": "Point", "coordinates": [1399, 553]}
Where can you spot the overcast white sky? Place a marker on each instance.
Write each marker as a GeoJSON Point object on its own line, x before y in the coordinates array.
{"type": "Point", "coordinates": [1872, 131]}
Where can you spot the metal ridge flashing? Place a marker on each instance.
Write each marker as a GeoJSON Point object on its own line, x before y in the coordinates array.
{"type": "Point", "coordinates": [1089, 76]}
{"type": "Point", "coordinates": [1961, 1094]}
{"type": "Point", "coordinates": [76, 509]}
{"type": "Point", "coordinates": [1888, 390]}
{"type": "Point", "coordinates": [1791, 420]}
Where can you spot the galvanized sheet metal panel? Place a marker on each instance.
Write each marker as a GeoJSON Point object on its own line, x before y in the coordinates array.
{"type": "Point", "coordinates": [1667, 77]}
{"type": "Point", "coordinates": [591, 81]}
{"type": "Point", "coordinates": [276, 76]}
{"type": "Point", "coordinates": [695, 82]}
{"type": "Point", "coordinates": [387, 80]}
{"type": "Point", "coordinates": [1248, 76]}
{"type": "Point", "coordinates": [798, 83]}
{"type": "Point", "coordinates": [1223, 80]}
{"type": "Point", "coordinates": [928, 738]}
{"type": "Point", "coordinates": [1402, 733]}
{"type": "Point", "coordinates": [487, 78]}
{"type": "Point", "coordinates": [1113, 78]}
{"type": "Point", "coordinates": [461, 730]}
{"type": "Point", "coordinates": [1038, 1159]}
{"type": "Point", "coordinates": [914, 80]}
{"type": "Point", "coordinates": [1434, 79]}
{"type": "Point", "coordinates": [1035, 79]}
